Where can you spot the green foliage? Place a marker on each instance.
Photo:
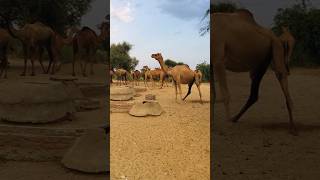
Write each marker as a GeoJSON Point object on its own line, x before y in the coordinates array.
{"type": "Point", "coordinates": [204, 67]}
{"type": "Point", "coordinates": [120, 58]}
{"type": "Point", "coordinates": [56, 13]}
{"type": "Point", "coordinates": [304, 25]}
{"type": "Point", "coordinates": [172, 63]}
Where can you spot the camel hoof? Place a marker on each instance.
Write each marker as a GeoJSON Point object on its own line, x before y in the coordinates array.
{"type": "Point", "coordinates": [234, 119]}
{"type": "Point", "coordinates": [294, 131]}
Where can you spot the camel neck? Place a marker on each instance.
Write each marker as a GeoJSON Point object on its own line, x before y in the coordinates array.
{"type": "Point", "coordinates": [163, 66]}
{"type": "Point", "coordinates": [15, 33]}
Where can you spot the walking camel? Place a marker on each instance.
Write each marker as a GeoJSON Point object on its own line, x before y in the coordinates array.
{"type": "Point", "coordinates": [181, 74]}
{"type": "Point", "coordinates": [258, 48]}
{"type": "Point", "coordinates": [85, 44]}
{"type": "Point", "coordinates": [34, 37]}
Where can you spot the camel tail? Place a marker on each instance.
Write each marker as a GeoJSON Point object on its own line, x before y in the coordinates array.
{"type": "Point", "coordinates": [189, 88]}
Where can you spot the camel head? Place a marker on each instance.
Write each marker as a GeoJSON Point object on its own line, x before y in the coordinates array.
{"type": "Point", "coordinates": [157, 56]}
{"type": "Point", "coordinates": [104, 28]}
{"type": "Point", "coordinates": [284, 29]}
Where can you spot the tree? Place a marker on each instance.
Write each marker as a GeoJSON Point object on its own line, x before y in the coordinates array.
{"type": "Point", "coordinates": [172, 63]}
{"type": "Point", "coordinates": [304, 25]}
{"type": "Point", "coordinates": [120, 58]}
{"type": "Point", "coordinates": [204, 67]}
{"type": "Point", "coordinates": [58, 14]}
{"type": "Point", "coordinates": [218, 7]}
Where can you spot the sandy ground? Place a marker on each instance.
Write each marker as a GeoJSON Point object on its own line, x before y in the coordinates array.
{"type": "Point", "coordinates": [174, 145]}
{"type": "Point", "coordinates": [259, 146]}
{"type": "Point", "coordinates": [51, 170]}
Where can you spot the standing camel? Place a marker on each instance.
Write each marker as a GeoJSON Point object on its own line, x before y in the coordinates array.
{"type": "Point", "coordinates": [4, 44]}
{"type": "Point", "coordinates": [136, 75]}
{"type": "Point", "coordinates": [147, 75]}
{"type": "Point", "coordinates": [198, 74]}
{"type": "Point", "coordinates": [122, 75]}
{"type": "Point", "coordinates": [34, 37]}
{"type": "Point", "coordinates": [288, 42]}
{"type": "Point", "coordinates": [181, 74]}
{"type": "Point", "coordinates": [85, 44]}
{"type": "Point", "coordinates": [258, 48]}
{"type": "Point", "coordinates": [59, 43]}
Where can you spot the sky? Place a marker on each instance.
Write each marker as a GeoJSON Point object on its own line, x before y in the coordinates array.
{"type": "Point", "coordinates": [170, 27]}
{"type": "Point", "coordinates": [264, 10]}
{"type": "Point", "coordinates": [99, 9]}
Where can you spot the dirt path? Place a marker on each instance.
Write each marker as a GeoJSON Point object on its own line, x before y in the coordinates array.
{"type": "Point", "coordinates": [174, 145]}
{"type": "Point", "coordinates": [259, 146]}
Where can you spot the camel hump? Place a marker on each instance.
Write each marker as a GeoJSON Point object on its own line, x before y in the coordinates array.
{"type": "Point", "coordinates": [86, 28]}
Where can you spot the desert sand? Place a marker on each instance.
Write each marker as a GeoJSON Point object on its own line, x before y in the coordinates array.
{"type": "Point", "coordinates": [174, 145]}
{"type": "Point", "coordinates": [259, 146]}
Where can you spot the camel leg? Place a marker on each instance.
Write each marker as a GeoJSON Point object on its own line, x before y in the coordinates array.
{"type": "Point", "coordinates": [91, 69]}
{"type": "Point", "coordinates": [221, 76]}
{"type": "Point", "coordinates": [198, 86]}
{"type": "Point", "coordinates": [33, 54]}
{"type": "Point", "coordinates": [5, 65]}
{"type": "Point", "coordinates": [283, 80]}
{"type": "Point", "coordinates": [189, 90]}
{"type": "Point", "coordinates": [180, 91]}
{"type": "Point", "coordinates": [176, 91]}
{"type": "Point", "coordinates": [84, 73]}
{"type": "Point", "coordinates": [256, 77]}
{"type": "Point", "coordinates": [40, 60]}
{"type": "Point", "coordinates": [73, 62]}
{"type": "Point", "coordinates": [26, 51]}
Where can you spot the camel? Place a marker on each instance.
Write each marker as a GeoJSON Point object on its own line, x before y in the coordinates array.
{"type": "Point", "coordinates": [85, 44]}
{"type": "Point", "coordinates": [34, 37]}
{"type": "Point", "coordinates": [181, 74]}
{"type": "Point", "coordinates": [59, 43]}
{"type": "Point", "coordinates": [147, 75]}
{"type": "Point", "coordinates": [258, 48]}
{"type": "Point", "coordinates": [198, 75]}
{"type": "Point", "coordinates": [288, 42]}
{"type": "Point", "coordinates": [122, 75]}
{"type": "Point", "coordinates": [112, 73]}
{"type": "Point", "coordinates": [4, 45]}
{"type": "Point", "coordinates": [136, 75]}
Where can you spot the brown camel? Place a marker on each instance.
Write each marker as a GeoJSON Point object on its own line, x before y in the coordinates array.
{"type": "Point", "coordinates": [4, 45]}
{"type": "Point", "coordinates": [258, 48]}
{"type": "Point", "coordinates": [85, 44]}
{"type": "Point", "coordinates": [59, 43]}
{"type": "Point", "coordinates": [122, 75]}
{"type": "Point", "coordinates": [198, 75]}
{"type": "Point", "coordinates": [288, 42]}
{"type": "Point", "coordinates": [34, 37]}
{"type": "Point", "coordinates": [112, 73]}
{"type": "Point", "coordinates": [181, 74]}
{"type": "Point", "coordinates": [147, 75]}
{"type": "Point", "coordinates": [136, 75]}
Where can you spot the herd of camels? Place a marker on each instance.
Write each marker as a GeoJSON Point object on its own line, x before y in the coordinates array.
{"type": "Point", "coordinates": [259, 48]}
{"type": "Point", "coordinates": [179, 74]}
{"type": "Point", "coordinates": [37, 37]}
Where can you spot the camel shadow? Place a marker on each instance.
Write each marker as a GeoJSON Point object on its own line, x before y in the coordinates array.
{"type": "Point", "coordinates": [198, 101]}
{"type": "Point", "coordinates": [284, 126]}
